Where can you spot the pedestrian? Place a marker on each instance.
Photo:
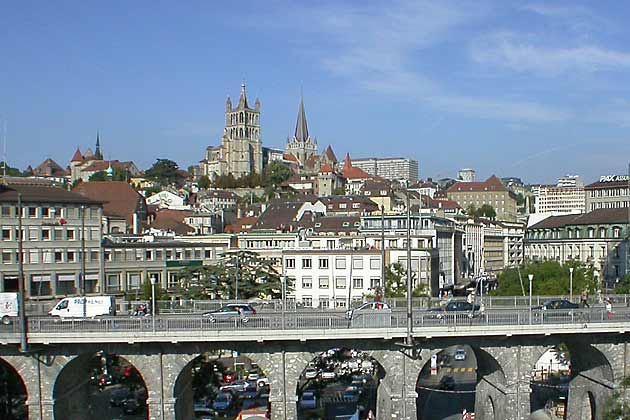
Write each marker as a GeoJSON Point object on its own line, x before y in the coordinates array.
{"type": "Point", "coordinates": [370, 415]}
{"type": "Point", "coordinates": [470, 298]}
{"type": "Point", "coordinates": [609, 309]}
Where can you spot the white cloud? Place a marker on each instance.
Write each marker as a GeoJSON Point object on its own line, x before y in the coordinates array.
{"type": "Point", "coordinates": [520, 53]}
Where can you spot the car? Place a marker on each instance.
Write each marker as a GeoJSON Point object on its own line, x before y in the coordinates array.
{"type": "Point", "coordinates": [223, 402]}
{"type": "Point", "coordinates": [310, 373]}
{"type": "Point", "coordinates": [308, 400]}
{"type": "Point", "coordinates": [262, 381]}
{"type": "Point", "coordinates": [253, 376]}
{"type": "Point", "coordinates": [369, 307]}
{"type": "Point", "coordinates": [557, 304]}
{"type": "Point", "coordinates": [253, 414]}
{"type": "Point", "coordinates": [118, 397]}
{"type": "Point", "coordinates": [460, 354]}
{"type": "Point", "coordinates": [454, 306]}
{"type": "Point", "coordinates": [447, 383]}
{"type": "Point", "coordinates": [327, 375]}
{"type": "Point", "coordinates": [231, 312]}
{"type": "Point", "coordinates": [132, 406]}
{"type": "Point", "coordinates": [351, 394]}
{"type": "Point", "coordinates": [237, 386]}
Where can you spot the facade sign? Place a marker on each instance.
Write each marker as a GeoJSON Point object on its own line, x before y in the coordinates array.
{"type": "Point", "coordinates": [613, 178]}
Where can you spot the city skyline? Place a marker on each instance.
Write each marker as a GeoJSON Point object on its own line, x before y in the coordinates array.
{"type": "Point", "coordinates": [531, 90]}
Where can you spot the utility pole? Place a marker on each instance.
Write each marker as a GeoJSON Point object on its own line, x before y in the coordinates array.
{"type": "Point", "coordinates": [383, 250]}
{"type": "Point", "coordinates": [409, 278]}
{"type": "Point", "coordinates": [237, 275]}
{"type": "Point", "coordinates": [82, 282]}
{"type": "Point", "coordinates": [21, 294]}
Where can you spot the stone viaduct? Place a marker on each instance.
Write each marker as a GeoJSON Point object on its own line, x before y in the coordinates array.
{"type": "Point", "coordinates": [54, 372]}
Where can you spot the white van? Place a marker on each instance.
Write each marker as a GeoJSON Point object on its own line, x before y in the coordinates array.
{"type": "Point", "coordinates": [8, 306]}
{"type": "Point", "coordinates": [72, 307]}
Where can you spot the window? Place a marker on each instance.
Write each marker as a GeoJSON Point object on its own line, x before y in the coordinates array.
{"type": "Point", "coordinates": [71, 256]}
{"type": "Point", "coordinates": [70, 234]}
{"type": "Point", "coordinates": [133, 281]}
{"type": "Point", "coordinates": [58, 256]}
{"type": "Point", "coordinates": [307, 301]}
{"type": "Point", "coordinates": [289, 263]}
{"type": "Point", "coordinates": [66, 284]}
{"type": "Point", "coordinates": [33, 256]}
{"type": "Point", "coordinates": [307, 263]}
{"type": "Point", "coordinates": [616, 232]}
{"type": "Point", "coordinates": [32, 212]}
{"type": "Point", "coordinates": [113, 282]}
{"type": "Point", "coordinates": [375, 282]}
{"type": "Point", "coordinates": [58, 235]}
{"type": "Point", "coordinates": [323, 263]}
{"type": "Point", "coordinates": [188, 254]}
{"type": "Point", "coordinates": [307, 282]}
{"type": "Point", "coordinates": [591, 233]}
{"type": "Point", "coordinates": [323, 282]}
{"type": "Point", "coordinates": [94, 256]}
{"type": "Point", "coordinates": [138, 256]}
{"type": "Point", "coordinates": [357, 283]}
{"type": "Point", "coordinates": [342, 205]}
{"type": "Point", "coordinates": [6, 257]}
{"type": "Point", "coordinates": [340, 282]}
{"type": "Point", "coordinates": [375, 263]}
{"type": "Point", "coordinates": [340, 262]}
{"type": "Point", "coordinates": [148, 255]}
{"type": "Point", "coordinates": [357, 263]}
{"type": "Point", "coordinates": [6, 211]}
{"type": "Point", "coordinates": [33, 234]}
{"type": "Point", "coordinates": [158, 255]}
{"type": "Point", "coordinates": [47, 257]}
{"type": "Point", "coordinates": [207, 254]}
{"type": "Point", "coordinates": [323, 302]}
{"type": "Point", "coordinates": [169, 254]}
{"type": "Point", "coordinates": [340, 303]}
{"type": "Point", "coordinates": [40, 285]}
{"type": "Point", "coordinates": [173, 280]}
{"type": "Point", "coordinates": [6, 234]}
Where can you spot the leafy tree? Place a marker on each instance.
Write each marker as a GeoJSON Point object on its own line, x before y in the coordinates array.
{"type": "Point", "coordinates": [623, 287]}
{"type": "Point", "coordinates": [485, 210]}
{"type": "Point", "coordinates": [12, 171]}
{"type": "Point", "coordinates": [256, 278]}
{"type": "Point", "coordinates": [550, 278]}
{"type": "Point", "coordinates": [204, 182]}
{"type": "Point", "coordinates": [614, 408]}
{"type": "Point", "coordinates": [164, 172]}
{"type": "Point", "coordinates": [276, 173]}
{"type": "Point", "coordinates": [396, 282]}
{"type": "Point", "coordinates": [339, 191]}
{"type": "Point", "coordinates": [76, 183]}
{"type": "Point", "coordinates": [117, 175]}
{"type": "Point", "coordinates": [160, 294]}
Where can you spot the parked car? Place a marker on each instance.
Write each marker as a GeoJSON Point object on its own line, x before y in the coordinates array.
{"type": "Point", "coordinates": [310, 373]}
{"type": "Point", "coordinates": [460, 354]}
{"type": "Point", "coordinates": [223, 402]}
{"type": "Point", "coordinates": [230, 312]}
{"type": "Point", "coordinates": [308, 400]}
{"type": "Point", "coordinates": [369, 307]}
{"type": "Point", "coordinates": [351, 394]}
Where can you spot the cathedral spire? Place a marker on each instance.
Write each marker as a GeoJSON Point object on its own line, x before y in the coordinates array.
{"type": "Point", "coordinates": [98, 154]}
{"type": "Point", "coordinates": [242, 101]}
{"type": "Point", "coordinates": [301, 128]}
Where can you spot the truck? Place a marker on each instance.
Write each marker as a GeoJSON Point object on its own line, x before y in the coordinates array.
{"type": "Point", "coordinates": [73, 307]}
{"type": "Point", "coordinates": [8, 307]}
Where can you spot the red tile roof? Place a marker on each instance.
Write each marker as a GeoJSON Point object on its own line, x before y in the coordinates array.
{"type": "Point", "coordinates": [242, 225]}
{"type": "Point", "coordinates": [43, 194]}
{"type": "Point", "coordinates": [326, 169]}
{"type": "Point", "coordinates": [350, 172]}
{"type": "Point", "coordinates": [172, 220]}
{"type": "Point", "coordinates": [491, 184]}
{"type": "Point", "coordinates": [290, 157]}
{"type": "Point", "coordinates": [119, 198]}
{"type": "Point", "coordinates": [77, 157]}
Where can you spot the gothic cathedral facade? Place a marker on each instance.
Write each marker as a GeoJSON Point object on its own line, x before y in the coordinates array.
{"type": "Point", "coordinates": [241, 151]}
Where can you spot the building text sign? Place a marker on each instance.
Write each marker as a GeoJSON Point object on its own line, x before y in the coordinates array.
{"type": "Point", "coordinates": [613, 178]}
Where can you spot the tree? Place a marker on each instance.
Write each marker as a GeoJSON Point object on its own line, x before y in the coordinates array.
{"type": "Point", "coordinates": [160, 294]}
{"type": "Point", "coordinates": [164, 171]}
{"type": "Point", "coordinates": [276, 173]}
{"type": "Point", "coordinates": [339, 191]}
{"type": "Point", "coordinates": [12, 171]}
{"type": "Point", "coordinates": [256, 278]}
{"type": "Point", "coordinates": [204, 182]}
{"type": "Point", "coordinates": [118, 174]}
{"type": "Point", "coordinates": [485, 210]}
{"type": "Point", "coordinates": [623, 287]}
{"type": "Point", "coordinates": [396, 282]}
{"type": "Point", "coordinates": [550, 278]}
{"type": "Point", "coordinates": [615, 409]}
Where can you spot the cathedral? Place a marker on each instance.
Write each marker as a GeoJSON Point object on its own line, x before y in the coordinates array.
{"type": "Point", "coordinates": [302, 149]}
{"type": "Point", "coordinates": [241, 151]}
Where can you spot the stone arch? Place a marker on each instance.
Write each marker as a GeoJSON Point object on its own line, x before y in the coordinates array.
{"type": "Point", "coordinates": [491, 395]}
{"type": "Point", "coordinates": [180, 396]}
{"type": "Point", "coordinates": [70, 391]}
{"type": "Point", "coordinates": [14, 389]}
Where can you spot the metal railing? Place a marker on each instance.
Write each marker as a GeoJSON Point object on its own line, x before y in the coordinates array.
{"type": "Point", "coordinates": [319, 321]}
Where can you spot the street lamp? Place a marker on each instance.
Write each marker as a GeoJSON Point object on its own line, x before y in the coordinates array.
{"type": "Point", "coordinates": [571, 284]}
{"type": "Point", "coordinates": [531, 277]}
{"type": "Point", "coordinates": [153, 282]}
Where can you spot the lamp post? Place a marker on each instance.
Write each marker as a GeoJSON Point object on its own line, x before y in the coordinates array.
{"type": "Point", "coordinates": [284, 299]}
{"type": "Point", "coordinates": [153, 282]}
{"type": "Point", "coordinates": [571, 284]}
{"type": "Point", "coordinates": [531, 277]}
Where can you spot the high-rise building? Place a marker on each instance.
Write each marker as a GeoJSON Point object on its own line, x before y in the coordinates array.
{"type": "Point", "coordinates": [466, 175]}
{"type": "Point", "coordinates": [394, 169]}
{"type": "Point", "coordinates": [567, 196]}
{"type": "Point", "coordinates": [241, 150]}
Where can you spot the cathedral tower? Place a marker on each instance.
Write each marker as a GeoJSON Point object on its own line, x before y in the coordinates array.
{"type": "Point", "coordinates": [301, 145]}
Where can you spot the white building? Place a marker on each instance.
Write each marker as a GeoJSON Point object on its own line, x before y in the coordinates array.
{"type": "Point", "coordinates": [466, 175]}
{"type": "Point", "coordinates": [566, 197]}
{"type": "Point", "coordinates": [394, 169]}
{"type": "Point", "coordinates": [168, 200]}
{"type": "Point", "coordinates": [328, 278]}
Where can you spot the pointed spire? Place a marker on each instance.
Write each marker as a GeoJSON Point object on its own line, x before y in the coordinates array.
{"type": "Point", "coordinates": [242, 100]}
{"type": "Point", "coordinates": [348, 163]}
{"type": "Point", "coordinates": [77, 157]}
{"type": "Point", "coordinates": [228, 104]}
{"type": "Point", "coordinates": [257, 105]}
{"type": "Point", "coordinates": [301, 128]}
{"type": "Point", "coordinates": [98, 154]}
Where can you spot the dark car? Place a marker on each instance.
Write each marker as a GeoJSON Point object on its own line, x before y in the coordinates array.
{"type": "Point", "coordinates": [132, 406]}
{"type": "Point", "coordinates": [119, 396]}
{"type": "Point", "coordinates": [230, 312]}
{"type": "Point", "coordinates": [454, 306]}
{"type": "Point", "coordinates": [557, 304]}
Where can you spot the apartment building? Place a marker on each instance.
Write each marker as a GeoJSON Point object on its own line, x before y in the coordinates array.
{"type": "Point", "coordinates": [610, 192]}
{"type": "Point", "coordinates": [393, 169]}
{"type": "Point", "coordinates": [54, 221]}
{"type": "Point", "coordinates": [491, 192]}
{"type": "Point", "coordinates": [567, 196]}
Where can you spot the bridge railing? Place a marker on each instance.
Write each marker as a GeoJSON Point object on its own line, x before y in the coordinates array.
{"type": "Point", "coordinates": [318, 321]}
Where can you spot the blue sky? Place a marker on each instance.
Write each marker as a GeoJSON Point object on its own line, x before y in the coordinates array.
{"type": "Point", "coordinates": [532, 89]}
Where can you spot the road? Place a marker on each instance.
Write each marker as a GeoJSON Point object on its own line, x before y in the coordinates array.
{"type": "Point", "coordinates": [101, 409]}
{"type": "Point", "coordinates": [437, 404]}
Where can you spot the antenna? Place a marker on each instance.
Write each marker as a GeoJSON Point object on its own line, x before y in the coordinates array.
{"type": "Point", "coordinates": [4, 147]}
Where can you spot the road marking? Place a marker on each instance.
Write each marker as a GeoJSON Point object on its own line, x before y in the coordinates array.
{"type": "Point", "coordinates": [461, 370]}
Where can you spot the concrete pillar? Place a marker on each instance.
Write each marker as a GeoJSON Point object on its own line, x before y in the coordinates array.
{"type": "Point", "coordinates": [177, 380]}
{"type": "Point", "coordinates": [150, 368]}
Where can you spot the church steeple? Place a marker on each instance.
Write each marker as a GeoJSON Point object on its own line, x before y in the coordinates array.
{"type": "Point", "coordinates": [301, 127]}
{"type": "Point", "coordinates": [242, 100]}
{"type": "Point", "coordinates": [98, 154]}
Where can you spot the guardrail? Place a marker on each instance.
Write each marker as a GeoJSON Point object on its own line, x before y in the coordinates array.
{"type": "Point", "coordinates": [319, 321]}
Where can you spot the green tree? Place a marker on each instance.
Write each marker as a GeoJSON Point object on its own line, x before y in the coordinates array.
{"type": "Point", "coordinates": [623, 287]}
{"type": "Point", "coordinates": [118, 174]}
{"type": "Point", "coordinates": [276, 173]}
{"type": "Point", "coordinates": [396, 282]}
{"type": "Point", "coordinates": [550, 278]}
{"type": "Point", "coordinates": [256, 278]}
{"type": "Point", "coordinates": [487, 210]}
{"type": "Point", "coordinates": [204, 182]}
{"type": "Point", "coordinates": [339, 191]}
{"type": "Point", "coordinates": [614, 408]}
{"type": "Point", "coordinates": [12, 171]}
{"type": "Point", "coordinates": [164, 171]}
{"type": "Point", "coordinates": [160, 293]}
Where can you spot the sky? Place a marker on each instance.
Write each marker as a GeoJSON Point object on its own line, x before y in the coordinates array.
{"type": "Point", "coordinates": [536, 89]}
